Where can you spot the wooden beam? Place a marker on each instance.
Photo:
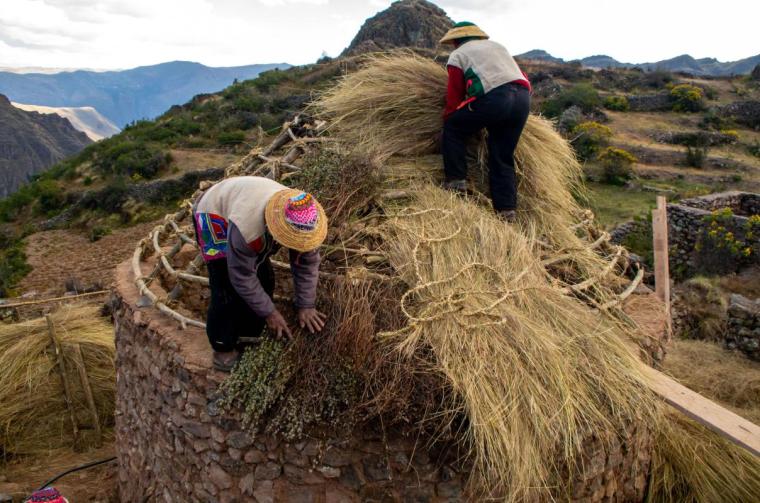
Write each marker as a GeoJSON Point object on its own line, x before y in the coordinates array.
{"type": "Point", "coordinates": [64, 377]}
{"type": "Point", "coordinates": [706, 412]}
{"type": "Point", "coordinates": [660, 248]}
{"type": "Point", "coordinates": [85, 380]}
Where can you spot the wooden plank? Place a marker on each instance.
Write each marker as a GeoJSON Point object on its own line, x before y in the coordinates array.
{"type": "Point", "coordinates": [85, 380]}
{"type": "Point", "coordinates": [704, 411]}
{"type": "Point", "coordinates": [64, 377]}
{"type": "Point", "coordinates": [660, 248]}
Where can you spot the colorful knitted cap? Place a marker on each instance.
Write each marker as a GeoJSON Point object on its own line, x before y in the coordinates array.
{"type": "Point", "coordinates": [47, 495]}
{"type": "Point", "coordinates": [301, 212]}
{"type": "Point", "coordinates": [463, 29]}
{"type": "Point", "coordinates": [296, 220]}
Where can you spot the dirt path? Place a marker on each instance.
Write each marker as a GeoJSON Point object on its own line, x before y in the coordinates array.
{"type": "Point", "coordinates": [98, 484]}
{"type": "Point", "coordinates": [60, 255]}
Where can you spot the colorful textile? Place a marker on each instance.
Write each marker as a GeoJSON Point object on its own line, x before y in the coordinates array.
{"type": "Point", "coordinates": [211, 230]}
{"type": "Point", "coordinates": [241, 200]}
{"type": "Point", "coordinates": [486, 65]}
{"type": "Point", "coordinates": [301, 212]}
{"type": "Point", "coordinates": [47, 495]}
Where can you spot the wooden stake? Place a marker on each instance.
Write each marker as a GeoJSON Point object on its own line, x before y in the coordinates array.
{"type": "Point", "coordinates": [660, 248]}
{"type": "Point", "coordinates": [64, 379]}
{"type": "Point", "coordinates": [88, 392]}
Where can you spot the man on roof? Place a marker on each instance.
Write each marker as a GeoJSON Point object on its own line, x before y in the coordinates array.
{"type": "Point", "coordinates": [239, 223]}
{"type": "Point", "coordinates": [486, 89]}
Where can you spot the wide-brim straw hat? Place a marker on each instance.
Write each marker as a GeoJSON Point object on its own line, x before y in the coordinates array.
{"type": "Point", "coordinates": [287, 234]}
{"type": "Point", "coordinates": [466, 31]}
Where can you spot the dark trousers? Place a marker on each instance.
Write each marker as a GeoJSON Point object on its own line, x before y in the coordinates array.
{"type": "Point", "coordinates": [503, 112]}
{"type": "Point", "coordinates": [229, 316]}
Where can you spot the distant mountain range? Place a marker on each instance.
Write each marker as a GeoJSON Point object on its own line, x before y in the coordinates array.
{"type": "Point", "coordinates": [85, 119]}
{"type": "Point", "coordinates": [684, 63]}
{"type": "Point", "coordinates": [31, 142]}
{"type": "Point", "coordinates": [124, 96]}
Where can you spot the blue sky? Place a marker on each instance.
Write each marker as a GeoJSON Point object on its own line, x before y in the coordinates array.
{"type": "Point", "coordinates": [128, 33]}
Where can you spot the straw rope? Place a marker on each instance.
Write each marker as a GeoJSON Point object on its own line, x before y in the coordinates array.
{"type": "Point", "coordinates": [296, 136]}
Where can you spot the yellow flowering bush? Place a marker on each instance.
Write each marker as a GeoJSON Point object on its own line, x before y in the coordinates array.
{"type": "Point", "coordinates": [687, 98]}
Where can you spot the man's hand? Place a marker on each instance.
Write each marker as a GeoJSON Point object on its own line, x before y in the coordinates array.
{"type": "Point", "coordinates": [312, 319]}
{"type": "Point", "coordinates": [278, 325]}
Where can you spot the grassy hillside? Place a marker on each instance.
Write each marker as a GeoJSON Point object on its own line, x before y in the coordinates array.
{"type": "Point", "coordinates": [685, 146]}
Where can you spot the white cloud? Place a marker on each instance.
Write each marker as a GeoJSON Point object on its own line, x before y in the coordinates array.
{"type": "Point", "coordinates": [126, 33]}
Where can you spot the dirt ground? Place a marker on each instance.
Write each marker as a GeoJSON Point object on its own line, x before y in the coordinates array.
{"type": "Point", "coordinates": [21, 477]}
{"type": "Point", "coordinates": [60, 255]}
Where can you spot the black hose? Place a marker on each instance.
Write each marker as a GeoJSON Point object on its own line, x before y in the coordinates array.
{"type": "Point", "coordinates": [76, 469]}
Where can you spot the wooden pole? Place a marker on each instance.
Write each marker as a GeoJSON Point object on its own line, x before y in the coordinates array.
{"type": "Point", "coordinates": [88, 392]}
{"type": "Point", "coordinates": [64, 379]}
{"type": "Point", "coordinates": [706, 412]}
{"type": "Point", "coordinates": [660, 248]}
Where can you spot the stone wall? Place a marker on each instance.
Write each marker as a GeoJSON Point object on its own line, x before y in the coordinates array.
{"type": "Point", "coordinates": [744, 326]}
{"type": "Point", "coordinates": [175, 445]}
{"type": "Point", "coordinates": [686, 224]}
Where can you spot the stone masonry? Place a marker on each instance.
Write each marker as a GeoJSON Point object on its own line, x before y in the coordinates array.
{"type": "Point", "coordinates": [175, 445]}
{"type": "Point", "coordinates": [686, 223]}
{"type": "Point", "coordinates": [744, 326]}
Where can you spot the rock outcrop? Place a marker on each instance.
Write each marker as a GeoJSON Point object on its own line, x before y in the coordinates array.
{"type": "Point", "coordinates": [407, 23]}
{"type": "Point", "coordinates": [31, 142]}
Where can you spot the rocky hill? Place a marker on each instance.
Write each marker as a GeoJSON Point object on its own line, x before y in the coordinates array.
{"type": "Point", "coordinates": [406, 23]}
{"type": "Point", "coordinates": [129, 95]}
{"type": "Point", "coordinates": [31, 142]}
{"type": "Point", "coordinates": [85, 119]}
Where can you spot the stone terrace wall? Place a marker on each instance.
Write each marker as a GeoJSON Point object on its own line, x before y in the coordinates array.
{"type": "Point", "coordinates": [744, 326]}
{"type": "Point", "coordinates": [686, 224]}
{"type": "Point", "coordinates": [174, 445]}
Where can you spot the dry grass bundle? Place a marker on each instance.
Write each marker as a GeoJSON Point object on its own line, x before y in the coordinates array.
{"type": "Point", "coordinates": [727, 377]}
{"type": "Point", "coordinates": [33, 413]}
{"type": "Point", "coordinates": [535, 372]}
{"type": "Point", "coordinates": [392, 106]}
{"type": "Point", "coordinates": [691, 464]}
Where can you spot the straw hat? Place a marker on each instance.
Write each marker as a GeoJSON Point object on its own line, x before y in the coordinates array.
{"type": "Point", "coordinates": [296, 220]}
{"type": "Point", "coordinates": [464, 29]}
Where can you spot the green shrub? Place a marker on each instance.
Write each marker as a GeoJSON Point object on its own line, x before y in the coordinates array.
{"type": "Point", "coordinates": [712, 120]}
{"type": "Point", "coordinates": [13, 266]}
{"type": "Point", "coordinates": [696, 156]}
{"type": "Point", "coordinates": [132, 157]}
{"type": "Point", "coordinates": [231, 137]}
{"type": "Point", "coordinates": [710, 93]}
{"type": "Point", "coordinates": [687, 98]}
{"type": "Point", "coordinates": [589, 138]}
{"type": "Point", "coordinates": [720, 249]}
{"type": "Point", "coordinates": [754, 148]}
{"type": "Point", "coordinates": [583, 96]}
{"type": "Point", "coordinates": [617, 165]}
{"type": "Point", "coordinates": [98, 232]}
{"type": "Point", "coordinates": [267, 80]}
{"type": "Point", "coordinates": [657, 79]}
{"type": "Point", "coordinates": [50, 197]}
{"type": "Point", "coordinates": [616, 103]}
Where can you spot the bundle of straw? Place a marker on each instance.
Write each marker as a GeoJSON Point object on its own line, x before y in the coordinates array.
{"type": "Point", "coordinates": [392, 106]}
{"type": "Point", "coordinates": [534, 371]}
{"type": "Point", "coordinates": [34, 414]}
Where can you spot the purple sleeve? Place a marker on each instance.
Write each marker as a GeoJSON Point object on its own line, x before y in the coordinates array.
{"type": "Point", "coordinates": [241, 266]}
{"type": "Point", "coordinates": [305, 269]}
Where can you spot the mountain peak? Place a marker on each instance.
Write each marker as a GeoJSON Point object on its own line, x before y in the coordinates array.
{"type": "Point", "coordinates": [406, 23]}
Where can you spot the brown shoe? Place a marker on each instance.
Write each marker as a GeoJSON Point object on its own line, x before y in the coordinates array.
{"type": "Point", "coordinates": [509, 216]}
{"type": "Point", "coordinates": [225, 360]}
{"type": "Point", "coordinates": [458, 186]}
